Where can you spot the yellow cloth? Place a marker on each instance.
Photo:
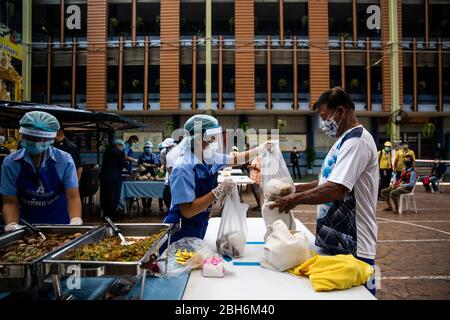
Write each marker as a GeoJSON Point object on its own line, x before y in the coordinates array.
{"type": "Point", "coordinates": [400, 155]}
{"type": "Point", "coordinates": [385, 160]}
{"type": "Point", "coordinates": [334, 272]}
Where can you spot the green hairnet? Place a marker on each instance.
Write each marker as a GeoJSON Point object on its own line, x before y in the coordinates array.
{"type": "Point", "coordinates": [201, 122]}
{"type": "Point", "coordinates": [148, 144]}
{"type": "Point", "coordinates": [39, 120]}
{"type": "Point", "coordinates": [119, 141]}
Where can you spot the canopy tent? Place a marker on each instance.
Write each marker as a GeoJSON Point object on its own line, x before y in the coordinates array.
{"type": "Point", "coordinates": [71, 119]}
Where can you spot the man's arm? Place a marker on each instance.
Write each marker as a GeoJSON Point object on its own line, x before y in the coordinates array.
{"type": "Point", "coordinates": [73, 203]}
{"type": "Point", "coordinates": [79, 172]}
{"type": "Point", "coordinates": [327, 192]}
{"type": "Point", "coordinates": [306, 186]}
{"type": "Point", "coordinates": [10, 211]}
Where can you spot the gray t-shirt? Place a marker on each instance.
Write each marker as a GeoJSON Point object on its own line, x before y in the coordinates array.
{"type": "Point", "coordinates": [349, 226]}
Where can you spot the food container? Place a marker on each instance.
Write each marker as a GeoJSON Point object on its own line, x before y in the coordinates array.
{"type": "Point", "coordinates": [22, 276]}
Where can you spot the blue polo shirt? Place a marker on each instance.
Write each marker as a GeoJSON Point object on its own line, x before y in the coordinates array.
{"type": "Point", "coordinates": [64, 166]}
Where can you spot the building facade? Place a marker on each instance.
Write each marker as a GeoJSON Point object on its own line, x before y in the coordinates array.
{"type": "Point", "coordinates": [270, 60]}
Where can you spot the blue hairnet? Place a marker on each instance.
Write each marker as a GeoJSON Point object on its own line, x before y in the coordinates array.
{"type": "Point", "coordinates": [148, 144]}
{"type": "Point", "coordinates": [39, 120]}
{"type": "Point", "coordinates": [200, 122]}
{"type": "Point", "coordinates": [119, 141]}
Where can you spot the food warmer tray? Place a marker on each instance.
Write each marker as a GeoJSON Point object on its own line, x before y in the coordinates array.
{"type": "Point", "coordinates": [58, 267]}
{"type": "Point", "coordinates": [22, 276]}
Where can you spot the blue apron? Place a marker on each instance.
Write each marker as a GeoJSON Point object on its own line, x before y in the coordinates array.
{"type": "Point", "coordinates": [149, 159]}
{"type": "Point", "coordinates": [205, 181]}
{"type": "Point", "coordinates": [42, 195]}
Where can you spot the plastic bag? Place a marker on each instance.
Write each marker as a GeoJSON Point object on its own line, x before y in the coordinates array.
{"type": "Point", "coordinates": [232, 234]}
{"type": "Point", "coordinates": [277, 182]}
{"type": "Point", "coordinates": [190, 244]}
{"type": "Point", "coordinates": [285, 249]}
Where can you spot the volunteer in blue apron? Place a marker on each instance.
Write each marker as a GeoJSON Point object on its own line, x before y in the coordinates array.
{"type": "Point", "coordinates": [39, 182]}
{"type": "Point", "coordinates": [149, 163]}
{"type": "Point", "coordinates": [193, 182]}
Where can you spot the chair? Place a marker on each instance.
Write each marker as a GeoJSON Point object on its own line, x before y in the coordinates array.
{"type": "Point", "coordinates": [440, 184]}
{"type": "Point", "coordinates": [408, 197]}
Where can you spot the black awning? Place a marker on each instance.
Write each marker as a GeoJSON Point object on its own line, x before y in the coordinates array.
{"type": "Point", "coordinates": [71, 119]}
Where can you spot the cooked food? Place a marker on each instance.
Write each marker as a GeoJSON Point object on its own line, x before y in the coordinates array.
{"type": "Point", "coordinates": [32, 247]}
{"type": "Point", "coordinates": [110, 249]}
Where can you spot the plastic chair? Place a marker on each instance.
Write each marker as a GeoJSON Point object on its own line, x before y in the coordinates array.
{"type": "Point", "coordinates": [439, 185]}
{"type": "Point", "coordinates": [408, 197]}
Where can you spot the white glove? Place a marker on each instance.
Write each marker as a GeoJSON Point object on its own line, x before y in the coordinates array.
{"type": "Point", "coordinates": [226, 187]}
{"type": "Point", "coordinates": [13, 226]}
{"type": "Point", "coordinates": [76, 221]}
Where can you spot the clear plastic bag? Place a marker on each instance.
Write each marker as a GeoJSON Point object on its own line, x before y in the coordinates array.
{"type": "Point", "coordinates": [202, 251]}
{"type": "Point", "coordinates": [232, 234]}
{"type": "Point", "coordinates": [276, 182]}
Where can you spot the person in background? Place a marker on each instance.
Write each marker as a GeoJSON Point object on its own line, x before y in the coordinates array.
{"type": "Point", "coordinates": [385, 164]}
{"type": "Point", "coordinates": [437, 172]}
{"type": "Point", "coordinates": [255, 175]}
{"type": "Point", "coordinates": [39, 182]}
{"type": "Point", "coordinates": [403, 185]}
{"type": "Point", "coordinates": [148, 161]}
{"type": "Point", "coordinates": [4, 152]}
{"type": "Point", "coordinates": [111, 178]}
{"type": "Point", "coordinates": [400, 155]}
{"type": "Point", "coordinates": [346, 192]}
{"type": "Point", "coordinates": [166, 167]}
{"type": "Point", "coordinates": [295, 156]}
{"type": "Point", "coordinates": [12, 144]}
{"type": "Point", "coordinates": [128, 151]}
{"type": "Point", "coordinates": [62, 143]}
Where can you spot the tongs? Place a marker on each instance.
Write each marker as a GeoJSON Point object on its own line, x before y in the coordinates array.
{"type": "Point", "coordinates": [33, 228]}
{"type": "Point", "coordinates": [117, 231]}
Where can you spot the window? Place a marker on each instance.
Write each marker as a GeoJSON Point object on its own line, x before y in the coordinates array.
{"type": "Point", "coordinates": [133, 83]}
{"type": "Point", "coordinates": [261, 81]}
{"type": "Point", "coordinates": [61, 84]}
{"type": "Point", "coordinates": [267, 18]}
{"type": "Point", "coordinates": [340, 19]}
{"type": "Point", "coordinates": [112, 85]}
{"type": "Point", "coordinates": [46, 21]}
{"type": "Point", "coordinates": [440, 20]}
{"type": "Point", "coordinates": [356, 84]}
{"type": "Point", "coordinates": [295, 19]}
{"type": "Point", "coordinates": [223, 18]}
{"type": "Point", "coordinates": [39, 84]}
{"type": "Point", "coordinates": [413, 24]}
{"type": "Point", "coordinates": [119, 20]}
{"type": "Point", "coordinates": [192, 21]}
{"type": "Point", "coordinates": [362, 16]}
{"type": "Point", "coordinates": [147, 19]}
{"type": "Point", "coordinates": [11, 18]}
{"type": "Point", "coordinates": [427, 83]}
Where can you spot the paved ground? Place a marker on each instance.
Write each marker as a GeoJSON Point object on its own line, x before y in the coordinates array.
{"type": "Point", "coordinates": [413, 249]}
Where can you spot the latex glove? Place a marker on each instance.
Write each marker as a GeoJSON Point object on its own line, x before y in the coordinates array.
{"type": "Point", "coordinates": [223, 189]}
{"type": "Point", "coordinates": [13, 226]}
{"type": "Point", "coordinates": [77, 221]}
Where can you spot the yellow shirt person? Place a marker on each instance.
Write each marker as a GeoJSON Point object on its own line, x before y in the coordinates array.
{"type": "Point", "coordinates": [400, 155]}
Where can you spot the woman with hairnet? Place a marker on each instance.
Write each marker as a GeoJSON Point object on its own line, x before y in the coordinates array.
{"type": "Point", "coordinates": [193, 182]}
{"type": "Point", "coordinates": [39, 182]}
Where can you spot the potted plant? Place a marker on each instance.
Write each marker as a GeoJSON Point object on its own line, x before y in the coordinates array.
{"type": "Point", "coordinates": [258, 82]}
{"type": "Point", "coordinates": [135, 83]}
{"type": "Point", "coordinates": [310, 158]}
{"type": "Point", "coordinates": [305, 85]}
{"type": "Point", "coordinates": [421, 86]}
{"type": "Point", "coordinates": [282, 84]}
{"type": "Point", "coordinates": [113, 25]}
{"type": "Point", "coordinates": [139, 23]}
{"type": "Point", "coordinates": [158, 20]}
{"type": "Point", "coordinates": [231, 24]}
{"type": "Point", "coordinates": [111, 85]}
{"type": "Point", "coordinates": [354, 83]}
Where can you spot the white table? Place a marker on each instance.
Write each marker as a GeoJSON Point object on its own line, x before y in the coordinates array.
{"type": "Point", "coordinates": [252, 282]}
{"type": "Point", "coordinates": [233, 171]}
{"type": "Point", "coordinates": [240, 180]}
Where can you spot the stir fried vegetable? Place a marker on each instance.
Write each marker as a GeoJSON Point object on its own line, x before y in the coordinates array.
{"type": "Point", "coordinates": [110, 249]}
{"type": "Point", "coordinates": [32, 247]}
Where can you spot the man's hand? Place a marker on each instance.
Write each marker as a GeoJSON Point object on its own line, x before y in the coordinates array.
{"type": "Point", "coordinates": [284, 204]}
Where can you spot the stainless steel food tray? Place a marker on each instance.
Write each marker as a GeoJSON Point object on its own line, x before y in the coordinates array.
{"type": "Point", "coordinates": [21, 276]}
{"type": "Point", "coordinates": [57, 265]}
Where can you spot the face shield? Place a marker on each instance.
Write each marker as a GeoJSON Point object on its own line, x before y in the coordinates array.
{"type": "Point", "coordinates": [213, 146]}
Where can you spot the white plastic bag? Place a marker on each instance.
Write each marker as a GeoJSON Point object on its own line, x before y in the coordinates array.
{"type": "Point", "coordinates": [232, 234]}
{"type": "Point", "coordinates": [283, 249]}
{"type": "Point", "coordinates": [277, 182]}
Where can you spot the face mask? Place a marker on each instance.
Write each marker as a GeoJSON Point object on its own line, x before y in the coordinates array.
{"type": "Point", "coordinates": [35, 147]}
{"type": "Point", "coordinates": [330, 126]}
{"type": "Point", "coordinates": [387, 150]}
{"type": "Point", "coordinates": [408, 164]}
{"type": "Point", "coordinates": [210, 151]}
{"type": "Point", "coordinates": [147, 151]}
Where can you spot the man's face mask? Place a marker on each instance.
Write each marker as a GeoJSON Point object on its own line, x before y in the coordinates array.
{"type": "Point", "coordinates": [387, 149]}
{"type": "Point", "coordinates": [408, 164]}
{"type": "Point", "coordinates": [147, 151]}
{"type": "Point", "coordinates": [405, 147]}
{"type": "Point", "coordinates": [330, 127]}
{"type": "Point", "coordinates": [35, 147]}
